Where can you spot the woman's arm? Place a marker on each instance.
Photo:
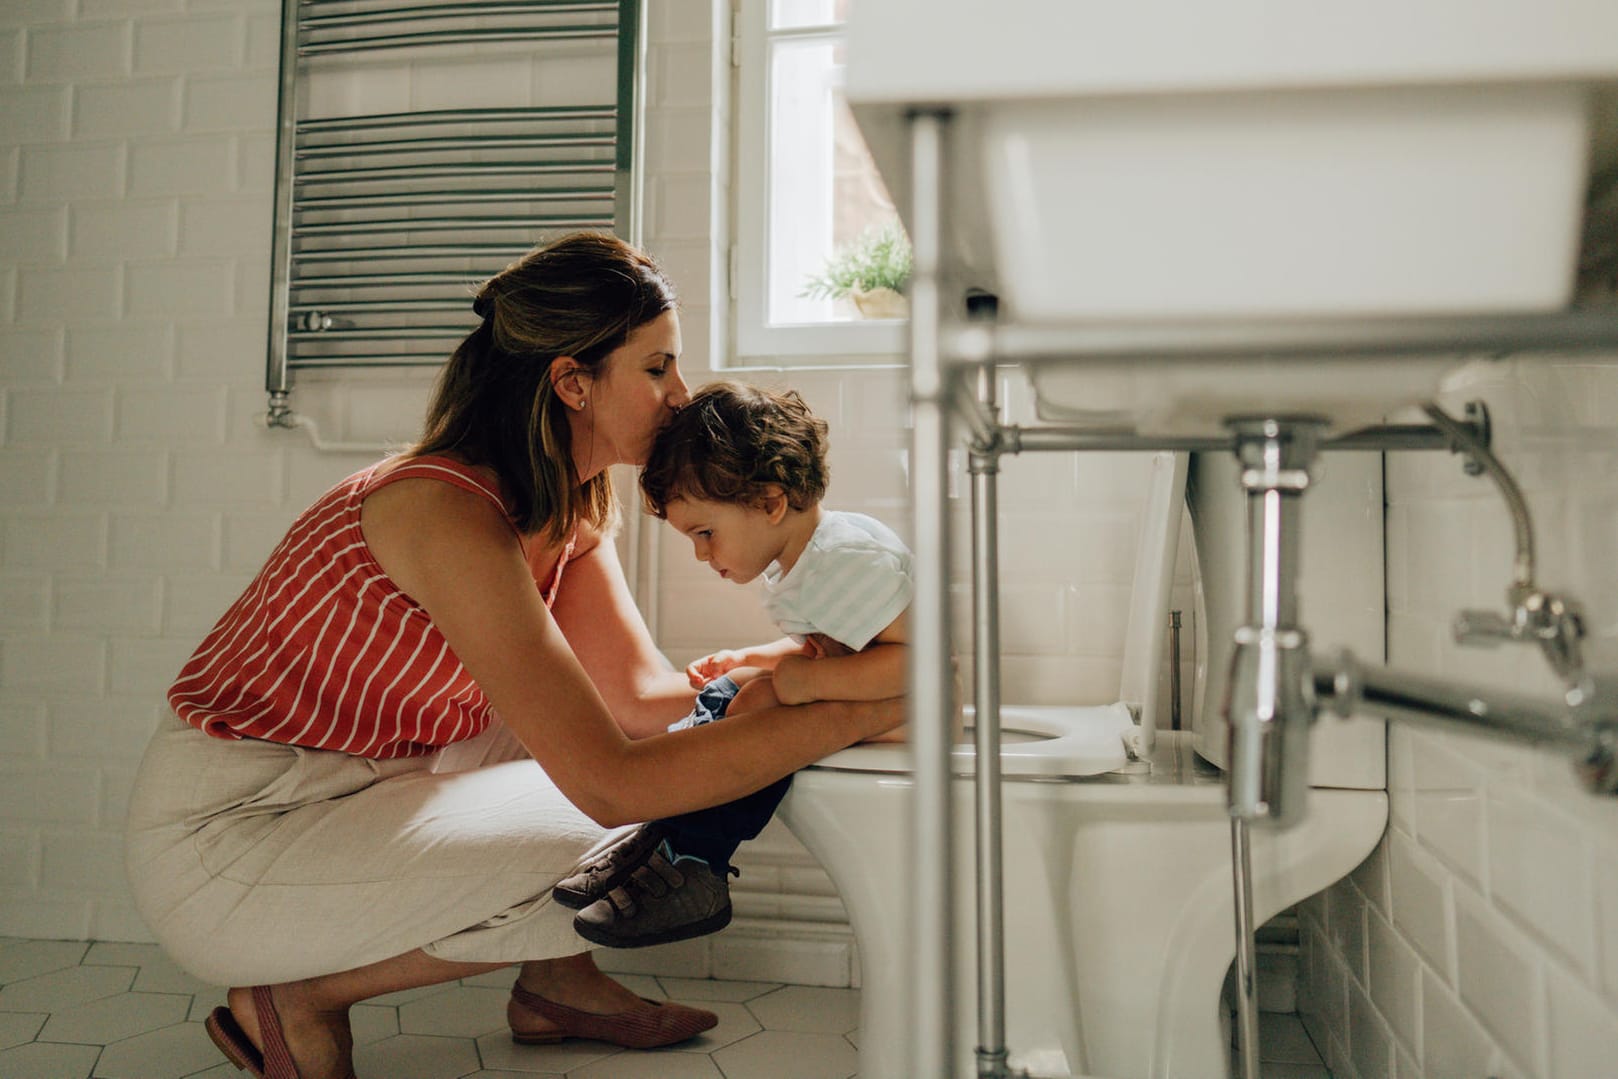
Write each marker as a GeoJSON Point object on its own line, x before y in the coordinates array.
{"type": "Point", "coordinates": [454, 555]}
{"type": "Point", "coordinates": [599, 620]}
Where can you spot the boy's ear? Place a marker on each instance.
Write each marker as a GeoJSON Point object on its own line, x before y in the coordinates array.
{"type": "Point", "coordinates": [570, 381]}
{"type": "Point", "coordinates": [775, 504]}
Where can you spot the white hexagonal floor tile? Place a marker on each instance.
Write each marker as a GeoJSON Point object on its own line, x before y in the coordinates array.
{"type": "Point", "coordinates": [223, 1070]}
{"type": "Point", "coordinates": [17, 1028]}
{"type": "Point", "coordinates": [694, 990]}
{"type": "Point", "coordinates": [500, 1052]}
{"type": "Point", "coordinates": [772, 1054]}
{"type": "Point", "coordinates": [651, 1065]}
{"type": "Point", "coordinates": [735, 1023]}
{"type": "Point", "coordinates": [39, 1060]}
{"type": "Point", "coordinates": [21, 959]}
{"type": "Point", "coordinates": [808, 1009]}
{"type": "Point", "coordinates": [169, 1053]}
{"type": "Point", "coordinates": [158, 973]}
{"type": "Point", "coordinates": [204, 1003]}
{"type": "Point", "coordinates": [372, 1022]}
{"type": "Point", "coordinates": [112, 1019]}
{"type": "Point", "coordinates": [63, 989]}
{"type": "Point", "coordinates": [456, 1011]}
{"type": "Point", "coordinates": [415, 1056]}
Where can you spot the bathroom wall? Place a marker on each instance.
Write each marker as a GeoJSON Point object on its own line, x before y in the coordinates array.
{"type": "Point", "coordinates": [138, 494]}
{"type": "Point", "coordinates": [1481, 938]}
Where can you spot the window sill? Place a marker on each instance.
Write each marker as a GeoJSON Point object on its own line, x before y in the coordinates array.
{"type": "Point", "coordinates": [875, 342]}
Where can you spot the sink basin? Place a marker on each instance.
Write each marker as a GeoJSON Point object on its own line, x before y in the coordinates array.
{"type": "Point", "coordinates": [1192, 398]}
{"type": "Point", "coordinates": [1183, 163]}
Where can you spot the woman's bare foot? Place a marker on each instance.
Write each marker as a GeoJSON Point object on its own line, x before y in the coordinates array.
{"type": "Point", "coordinates": [320, 1041]}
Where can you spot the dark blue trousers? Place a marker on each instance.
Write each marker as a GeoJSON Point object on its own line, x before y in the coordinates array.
{"type": "Point", "coordinates": [714, 834]}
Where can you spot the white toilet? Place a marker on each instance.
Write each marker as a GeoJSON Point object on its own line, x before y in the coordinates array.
{"type": "Point", "coordinates": [1119, 924]}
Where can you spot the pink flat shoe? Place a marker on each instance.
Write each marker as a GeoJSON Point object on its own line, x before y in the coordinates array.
{"type": "Point", "coordinates": [274, 1061]}
{"type": "Point", "coordinates": [647, 1026]}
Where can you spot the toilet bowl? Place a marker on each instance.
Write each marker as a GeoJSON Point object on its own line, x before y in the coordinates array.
{"type": "Point", "coordinates": [1119, 917]}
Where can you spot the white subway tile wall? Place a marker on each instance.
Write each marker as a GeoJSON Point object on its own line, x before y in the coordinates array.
{"type": "Point", "coordinates": [1500, 956]}
{"type": "Point", "coordinates": [137, 493]}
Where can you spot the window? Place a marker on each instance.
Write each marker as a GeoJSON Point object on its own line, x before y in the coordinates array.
{"type": "Point", "coordinates": [806, 190]}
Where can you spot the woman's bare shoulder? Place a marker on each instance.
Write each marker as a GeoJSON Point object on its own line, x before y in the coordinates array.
{"type": "Point", "coordinates": [418, 501]}
{"type": "Point", "coordinates": [421, 529]}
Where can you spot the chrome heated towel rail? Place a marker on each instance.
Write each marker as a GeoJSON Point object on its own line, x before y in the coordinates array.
{"type": "Point", "coordinates": [384, 222]}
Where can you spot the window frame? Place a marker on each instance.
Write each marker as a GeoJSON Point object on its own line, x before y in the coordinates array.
{"type": "Point", "coordinates": [754, 341]}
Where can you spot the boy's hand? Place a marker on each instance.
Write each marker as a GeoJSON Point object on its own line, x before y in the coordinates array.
{"type": "Point", "coordinates": [699, 672]}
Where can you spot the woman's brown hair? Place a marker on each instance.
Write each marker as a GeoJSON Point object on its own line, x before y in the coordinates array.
{"type": "Point", "coordinates": [494, 404]}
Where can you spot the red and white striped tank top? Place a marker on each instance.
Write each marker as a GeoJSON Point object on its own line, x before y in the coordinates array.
{"type": "Point", "coordinates": [323, 650]}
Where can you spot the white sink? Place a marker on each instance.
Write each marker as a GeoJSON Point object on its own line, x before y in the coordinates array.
{"type": "Point", "coordinates": [1184, 163]}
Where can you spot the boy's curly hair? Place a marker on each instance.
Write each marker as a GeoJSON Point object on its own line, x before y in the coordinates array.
{"type": "Point", "coordinates": [731, 442]}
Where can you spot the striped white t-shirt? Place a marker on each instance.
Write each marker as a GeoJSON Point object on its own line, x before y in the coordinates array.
{"type": "Point", "coordinates": [851, 581]}
{"type": "Point", "coordinates": [323, 650]}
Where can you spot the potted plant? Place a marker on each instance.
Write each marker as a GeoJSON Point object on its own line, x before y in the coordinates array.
{"type": "Point", "coordinates": [871, 272]}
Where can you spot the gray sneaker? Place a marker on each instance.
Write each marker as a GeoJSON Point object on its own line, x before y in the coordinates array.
{"type": "Point", "coordinates": [660, 901]}
{"type": "Point", "coordinates": [610, 868]}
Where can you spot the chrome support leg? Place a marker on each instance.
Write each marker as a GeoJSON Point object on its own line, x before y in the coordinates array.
{"type": "Point", "coordinates": [984, 468]}
{"type": "Point", "coordinates": [931, 704]}
{"type": "Point", "coordinates": [1246, 951]}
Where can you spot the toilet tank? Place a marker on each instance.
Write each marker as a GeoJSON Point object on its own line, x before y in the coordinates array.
{"type": "Point", "coordinates": [1340, 599]}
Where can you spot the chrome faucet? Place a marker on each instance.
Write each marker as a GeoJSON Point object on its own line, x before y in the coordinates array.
{"type": "Point", "coordinates": [1554, 622]}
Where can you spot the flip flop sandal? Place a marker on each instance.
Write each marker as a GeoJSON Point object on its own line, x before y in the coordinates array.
{"type": "Point", "coordinates": [275, 1060]}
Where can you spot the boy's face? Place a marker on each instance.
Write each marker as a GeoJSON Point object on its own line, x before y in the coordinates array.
{"type": "Point", "coordinates": [738, 542]}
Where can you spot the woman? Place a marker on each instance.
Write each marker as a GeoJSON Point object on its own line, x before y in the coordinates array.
{"type": "Point", "coordinates": [437, 696]}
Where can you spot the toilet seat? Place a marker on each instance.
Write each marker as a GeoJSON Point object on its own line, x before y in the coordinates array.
{"type": "Point", "coordinates": [1037, 741]}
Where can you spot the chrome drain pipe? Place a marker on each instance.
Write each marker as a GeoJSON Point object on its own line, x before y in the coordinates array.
{"type": "Point", "coordinates": [1270, 701]}
{"type": "Point", "coordinates": [1241, 862]}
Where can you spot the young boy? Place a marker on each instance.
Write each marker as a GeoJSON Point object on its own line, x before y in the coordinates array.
{"type": "Point", "coordinates": [741, 471]}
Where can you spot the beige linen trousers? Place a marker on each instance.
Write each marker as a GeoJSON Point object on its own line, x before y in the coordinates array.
{"type": "Point", "coordinates": [256, 863]}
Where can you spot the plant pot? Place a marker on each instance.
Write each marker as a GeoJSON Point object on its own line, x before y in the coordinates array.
{"type": "Point", "coordinates": [881, 303]}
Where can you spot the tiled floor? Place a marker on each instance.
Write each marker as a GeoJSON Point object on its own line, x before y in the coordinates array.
{"type": "Point", "coordinates": [76, 1010]}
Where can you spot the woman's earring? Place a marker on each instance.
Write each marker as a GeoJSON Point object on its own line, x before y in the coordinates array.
{"type": "Point", "coordinates": [581, 405]}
